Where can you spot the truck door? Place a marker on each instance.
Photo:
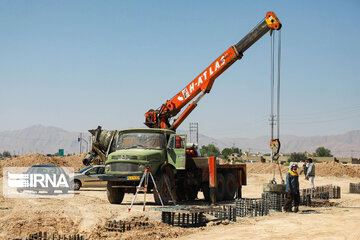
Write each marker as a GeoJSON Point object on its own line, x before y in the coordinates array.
{"type": "Point", "coordinates": [176, 150]}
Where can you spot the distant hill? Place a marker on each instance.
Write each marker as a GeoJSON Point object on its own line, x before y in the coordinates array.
{"type": "Point", "coordinates": [47, 139]}
{"type": "Point", "coordinates": [40, 139]}
{"type": "Point", "coordinates": [341, 145]}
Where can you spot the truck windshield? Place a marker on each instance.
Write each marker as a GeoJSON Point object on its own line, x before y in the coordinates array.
{"type": "Point", "coordinates": [141, 140]}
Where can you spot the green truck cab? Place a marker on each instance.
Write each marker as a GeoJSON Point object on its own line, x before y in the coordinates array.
{"type": "Point", "coordinates": [170, 159]}
{"type": "Point", "coordinates": [140, 149]}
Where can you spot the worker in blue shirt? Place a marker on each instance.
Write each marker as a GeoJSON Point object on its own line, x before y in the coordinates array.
{"type": "Point", "coordinates": [292, 189]}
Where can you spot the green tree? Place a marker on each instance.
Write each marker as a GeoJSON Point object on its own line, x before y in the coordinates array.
{"type": "Point", "coordinates": [236, 150]}
{"type": "Point", "coordinates": [322, 152]}
{"type": "Point", "coordinates": [226, 152]}
{"type": "Point", "coordinates": [297, 157]}
{"type": "Point", "coordinates": [210, 150]}
{"type": "Point", "coordinates": [6, 154]}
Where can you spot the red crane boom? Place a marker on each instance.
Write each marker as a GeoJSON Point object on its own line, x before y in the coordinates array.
{"type": "Point", "coordinates": [203, 83]}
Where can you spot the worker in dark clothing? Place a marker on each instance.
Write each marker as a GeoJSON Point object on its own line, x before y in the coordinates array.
{"type": "Point", "coordinates": [305, 167]}
{"type": "Point", "coordinates": [292, 189]}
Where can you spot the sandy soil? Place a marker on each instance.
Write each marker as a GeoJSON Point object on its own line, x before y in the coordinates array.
{"type": "Point", "coordinates": [87, 212]}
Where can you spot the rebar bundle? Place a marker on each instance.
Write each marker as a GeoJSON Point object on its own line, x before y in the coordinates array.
{"type": "Point", "coordinates": [53, 236]}
{"type": "Point", "coordinates": [354, 187]}
{"type": "Point", "coordinates": [122, 226]}
{"type": "Point", "coordinates": [184, 219]}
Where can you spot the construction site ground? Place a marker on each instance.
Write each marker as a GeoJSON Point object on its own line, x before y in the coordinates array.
{"type": "Point", "coordinates": [87, 212]}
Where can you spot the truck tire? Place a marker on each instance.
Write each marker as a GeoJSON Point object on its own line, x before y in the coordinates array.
{"type": "Point", "coordinates": [76, 185]}
{"type": "Point", "coordinates": [114, 195]}
{"type": "Point", "coordinates": [191, 195]}
{"type": "Point", "coordinates": [163, 190]}
{"type": "Point", "coordinates": [206, 191]}
{"type": "Point", "coordinates": [220, 190]}
{"type": "Point", "coordinates": [230, 186]}
{"type": "Point", "coordinates": [185, 194]}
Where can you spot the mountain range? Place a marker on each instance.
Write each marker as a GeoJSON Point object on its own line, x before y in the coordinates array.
{"type": "Point", "coordinates": [48, 139]}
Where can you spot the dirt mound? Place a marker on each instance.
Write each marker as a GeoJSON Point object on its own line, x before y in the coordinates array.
{"type": "Point", "coordinates": [158, 230]}
{"type": "Point", "coordinates": [324, 169]}
{"type": "Point", "coordinates": [334, 169]}
{"type": "Point", "coordinates": [32, 224]}
{"type": "Point", "coordinates": [264, 168]}
{"type": "Point", "coordinates": [28, 160]}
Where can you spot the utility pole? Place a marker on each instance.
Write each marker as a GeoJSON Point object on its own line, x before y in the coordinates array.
{"type": "Point", "coordinates": [79, 140]}
{"type": "Point", "coordinates": [194, 132]}
{"type": "Point", "coordinates": [90, 143]}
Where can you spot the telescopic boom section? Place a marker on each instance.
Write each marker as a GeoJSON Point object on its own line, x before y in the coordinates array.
{"type": "Point", "coordinates": [203, 83]}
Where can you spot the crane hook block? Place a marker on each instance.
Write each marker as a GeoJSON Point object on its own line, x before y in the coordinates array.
{"type": "Point", "coordinates": [275, 146]}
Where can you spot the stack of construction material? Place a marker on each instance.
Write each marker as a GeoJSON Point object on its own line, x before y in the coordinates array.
{"type": "Point", "coordinates": [323, 192]}
{"type": "Point", "coordinates": [183, 219]}
{"type": "Point", "coordinates": [186, 216]}
{"type": "Point", "coordinates": [122, 226]}
{"type": "Point", "coordinates": [274, 200]}
{"type": "Point", "coordinates": [227, 212]}
{"type": "Point", "coordinates": [244, 207]}
{"type": "Point", "coordinates": [354, 187]}
{"type": "Point", "coordinates": [252, 207]}
{"type": "Point", "coordinates": [277, 200]}
{"type": "Point", "coordinates": [45, 236]}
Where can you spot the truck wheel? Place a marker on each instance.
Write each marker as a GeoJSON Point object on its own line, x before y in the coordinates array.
{"type": "Point", "coordinates": [77, 185]}
{"type": "Point", "coordinates": [206, 191]}
{"type": "Point", "coordinates": [220, 190]}
{"type": "Point", "coordinates": [114, 195]}
{"type": "Point", "coordinates": [230, 186]}
{"type": "Point", "coordinates": [163, 190]}
{"type": "Point", "coordinates": [180, 192]}
{"type": "Point", "coordinates": [191, 194]}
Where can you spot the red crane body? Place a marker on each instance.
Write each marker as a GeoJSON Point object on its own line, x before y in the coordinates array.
{"type": "Point", "coordinates": [204, 81]}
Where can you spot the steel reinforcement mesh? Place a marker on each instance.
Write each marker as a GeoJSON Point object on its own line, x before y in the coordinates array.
{"type": "Point", "coordinates": [354, 187]}
{"type": "Point", "coordinates": [51, 236]}
{"type": "Point", "coordinates": [253, 207]}
{"type": "Point", "coordinates": [122, 226]}
{"type": "Point", "coordinates": [184, 219]}
{"type": "Point", "coordinates": [322, 192]}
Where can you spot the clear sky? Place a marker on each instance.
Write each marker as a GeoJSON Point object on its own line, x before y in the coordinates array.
{"type": "Point", "coordinates": [80, 64]}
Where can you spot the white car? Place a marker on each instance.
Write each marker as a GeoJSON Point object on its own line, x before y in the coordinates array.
{"type": "Point", "coordinates": [89, 177]}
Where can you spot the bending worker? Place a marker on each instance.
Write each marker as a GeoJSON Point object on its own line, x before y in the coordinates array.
{"type": "Point", "coordinates": [292, 189]}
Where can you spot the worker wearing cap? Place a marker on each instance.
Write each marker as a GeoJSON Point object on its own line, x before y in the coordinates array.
{"type": "Point", "coordinates": [310, 174]}
{"type": "Point", "coordinates": [292, 189]}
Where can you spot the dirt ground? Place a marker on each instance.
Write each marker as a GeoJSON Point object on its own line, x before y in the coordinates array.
{"type": "Point", "coordinates": [87, 212]}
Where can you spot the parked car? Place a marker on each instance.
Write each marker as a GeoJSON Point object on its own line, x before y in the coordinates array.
{"type": "Point", "coordinates": [48, 171]}
{"type": "Point", "coordinates": [89, 177]}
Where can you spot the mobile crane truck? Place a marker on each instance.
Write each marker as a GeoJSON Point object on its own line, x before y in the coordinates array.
{"type": "Point", "coordinates": [168, 155]}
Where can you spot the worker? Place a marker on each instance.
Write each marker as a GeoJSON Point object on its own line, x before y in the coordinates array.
{"type": "Point", "coordinates": [304, 168]}
{"type": "Point", "coordinates": [310, 173]}
{"type": "Point", "coordinates": [292, 189]}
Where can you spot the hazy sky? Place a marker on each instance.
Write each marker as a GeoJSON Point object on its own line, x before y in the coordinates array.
{"type": "Point", "coordinates": [80, 64]}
